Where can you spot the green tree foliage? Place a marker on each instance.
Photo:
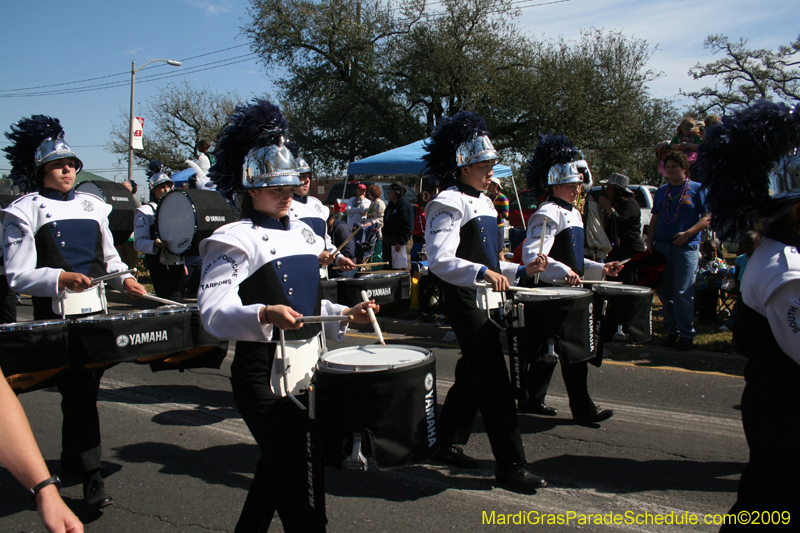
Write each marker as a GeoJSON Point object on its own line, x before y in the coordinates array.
{"type": "Point", "coordinates": [359, 78]}
{"type": "Point", "coordinates": [176, 119]}
{"type": "Point", "coordinates": [744, 75]}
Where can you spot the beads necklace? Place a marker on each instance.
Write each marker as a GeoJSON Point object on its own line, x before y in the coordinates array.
{"type": "Point", "coordinates": [672, 200]}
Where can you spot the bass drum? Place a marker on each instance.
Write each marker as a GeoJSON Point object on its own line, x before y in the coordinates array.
{"type": "Point", "coordinates": [123, 206]}
{"type": "Point", "coordinates": [386, 395]}
{"type": "Point", "coordinates": [187, 216]}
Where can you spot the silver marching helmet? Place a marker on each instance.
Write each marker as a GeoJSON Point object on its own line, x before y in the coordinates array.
{"type": "Point", "coordinates": [572, 172]}
{"type": "Point", "coordinates": [478, 149]}
{"type": "Point", "coordinates": [53, 149]}
{"type": "Point", "coordinates": [158, 179]}
{"type": "Point", "coordinates": [784, 177]}
{"type": "Point", "coordinates": [270, 166]}
{"type": "Point", "coordinates": [302, 166]}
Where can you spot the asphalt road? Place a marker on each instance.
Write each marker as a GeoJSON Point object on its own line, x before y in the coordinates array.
{"type": "Point", "coordinates": [177, 457]}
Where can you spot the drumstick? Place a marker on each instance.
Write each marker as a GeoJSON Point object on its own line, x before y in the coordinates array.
{"type": "Point", "coordinates": [364, 265]}
{"type": "Point", "coordinates": [316, 319]}
{"type": "Point", "coordinates": [347, 240]}
{"type": "Point", "coordinates": [624, 261]}
{"type": "Point", "coordinates": [372, 319]}
{"type": "Point", "coordinates": [155, 299]}
{"type": "Point", "coordinates": [590, 282]}
{"type": "Point", "coordinates": [541, 246]}
{"type": "Point", "coordinates": [520, 289]}
{"type": "Point", "coordinates": [113, 275]}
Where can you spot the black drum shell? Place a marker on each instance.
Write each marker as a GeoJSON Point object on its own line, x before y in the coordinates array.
{"type": "Point", "coordinates": [107, 342]}
{"type": "Point", "coordinates": [567, 319]}
{"type": "Point", "coordinates": [209, 209]}
{"type": "Point", "coordinates": [634, 310]}
{"type": "Point", "coordinates": [123, 207]}
{"type": "Point", "coordinates": [392, 408]}
{"type": "Point", "coordinates": [32, 359]}
{"type": "Point", "coordinates": [383, 288]}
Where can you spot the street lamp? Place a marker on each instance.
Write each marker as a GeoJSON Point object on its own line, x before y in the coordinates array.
{"type": "Point", "coordinates": [134, 70]}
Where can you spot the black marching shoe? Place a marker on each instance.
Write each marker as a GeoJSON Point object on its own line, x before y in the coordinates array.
{"type": "Point", "coordinates": [94, 494]}
{"type": "Point", "coordinates": [684, 344]}
{"type": "Point", "coordinates": [669, 341]}
{"type": "Point", "coordinates": [593, 417]}
{"type": "Point", "coordinates": [537, 408]}
{"type": "Point", "coordinates": [517, 478]}
{"type": "Point", "coordinates": [454, 456]}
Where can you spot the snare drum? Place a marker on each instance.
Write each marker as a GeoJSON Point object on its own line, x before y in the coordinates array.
{"type": "Point", "coordinates": [384, 288]}
{"type": "Point", "coordinates": [123, 206]}
{"type": "Point", "coordinates": [384, 395]}
{"type": "Point", "coordinates": [92, 300]}
{"type": "Point", "coordinates": [558, 320]}
{"type": "Point", "coordinates": [187, 216]}
{"type": "Point", "coordinates": [101, 340]}
{"type": "Point", "coordinates": [628, 312]}
{"type": "Point", "coordinates": [34, 354]}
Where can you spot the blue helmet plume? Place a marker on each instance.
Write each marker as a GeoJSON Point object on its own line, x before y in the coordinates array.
{"type": "Point", "coordinates": [26, 136]}
{"type": "Point", "coordinates": [452, 132]}
{"type": "Point", "coordinates": [250, 126]}
{"type": "Point", "coordinates": [551, 150]}
{"type": "Point", "coordinates": [737, 159]}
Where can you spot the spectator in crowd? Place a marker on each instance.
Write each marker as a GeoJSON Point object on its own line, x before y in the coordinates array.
{"type": "Point", "coordinates": [711, 121]}
{"type": "Point", "coordinates": [679, 215]}
{"type": "Point", "coordinates": [623, 224]}
{"type": "Point", "coordinates": [418, 235]}
{"type": "Point", "coordinates": [375, 218]}
{"type": "Point", "coordinates": [500, 202]}
{"type": "Point", "coordinates": [357, 208]}
{"type": "Point", "coordinates": [338, 232]}
{"type": "Point", "coordinates": [21, 456]}
{"type": "Point", "coordinates": [686, 139]}
{"type": "Point", "coordinates": [706, 295]}
{"type": "Point", "coordinates": [747, 246]}
{"type": "Point", "coordinates": [397, 228]}
{"type": "Point", "coordinates": [204, 159]}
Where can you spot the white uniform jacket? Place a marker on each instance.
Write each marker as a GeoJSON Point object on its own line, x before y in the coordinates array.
{"type": "Point", "coordinates": [143, 220]}
{"type": "Point", "coordinates": [771, 287]}
{"type": "Point", "coordinates": [356, 211]}
{"type": "Point", "coordinates": [75, 231]}
{"type": "Point", "coordinates": [283, 265]}
{"type": "Point", "coordinates": [447, 214]}
{"type": "Point", "coordinates": [563, 242]}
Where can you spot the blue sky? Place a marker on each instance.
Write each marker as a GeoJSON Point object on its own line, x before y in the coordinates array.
{"type": "Point", "coordinates": [75, 41]}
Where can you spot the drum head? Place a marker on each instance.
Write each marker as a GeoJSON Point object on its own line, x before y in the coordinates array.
{"type": "Point", "coordinates": [31, 326]}
{"type": "Point", "coordinates": [178, 229]}
{"type": "Point", "coordinates": [91, 188]}
{"type": "Point", "coordinates": [550, 293]}
{"type": "Point", "coordinates": [621, 289]}
{"type": "Point", "coordinates": [372, 358]}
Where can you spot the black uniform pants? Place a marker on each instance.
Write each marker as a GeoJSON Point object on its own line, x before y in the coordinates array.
{"type": "Point", "coordinates": [80, 428]}
{"type": "Point", "coordinates": [166, 280]}
{"type": "Point", "coordinates": [281, 429]}
{"type": "Point", "coordinates": [8, 301]}
{"type": "Point", "coordinates": [481, 382]}
{"type": "Point", "coordinates": [771, 420]}
{"type": "Point", "coordinates": [575, 378]}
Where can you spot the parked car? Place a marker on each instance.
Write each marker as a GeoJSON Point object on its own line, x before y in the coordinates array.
{"type": "Point", "coordinates": [339, 201]}
{"type": "Point", "coordinates": [530, 203]}
{"type": "Point", "coordinates": [644, 195]}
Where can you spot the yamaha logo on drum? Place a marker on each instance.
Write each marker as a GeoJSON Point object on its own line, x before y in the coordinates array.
{"type": "Point", "coordinates": [214, 218]}
{"type": "Point", "coordinates": [141, 338]}
{"type": "Point", "coordinates": [380, 291]}
{"type": "Point", "coordinates": [184, 243]}
{"type": "Point", "coordinates": [429, 381]}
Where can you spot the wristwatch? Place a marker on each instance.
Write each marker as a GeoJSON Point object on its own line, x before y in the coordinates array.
{"type": "Point", "coordinates": [52, 480]}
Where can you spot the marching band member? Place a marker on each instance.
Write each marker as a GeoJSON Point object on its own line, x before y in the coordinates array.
{"type": "Point", "coordinates": [750, 165]}
{"type": "Point", "coordinates": [165, 269]}
{"type": "Point", "coordinates": [311, 211]}
{"type": "Point", "coordinates": [461, 238]}
{"type": "Point", "coordinates": [558, 168]}
{"type": "Point", "coordinates": [57, 239]}
{"type": "Point", "coordinates": [259, 274]}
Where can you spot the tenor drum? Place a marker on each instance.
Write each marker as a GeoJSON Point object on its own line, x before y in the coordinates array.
{"type": "Point", "coordinates": [101, 340]}
{"type": "Point", "coordinates": [559, 319]}
{"type": "Point", "coordinates": [383, 395]}
{"type": "Point", "coordinates": [34, 354]}
{"type": "Point", "coordinates": [628, 312]}
{"type": "Point", "coordinates": [187, 216]}
{"type": "Point", "coordinates": [207, 351]}
{"type": "Point", "coordinates": [123, 207]}
{"type": "Point", "coordinates": [384, 288]}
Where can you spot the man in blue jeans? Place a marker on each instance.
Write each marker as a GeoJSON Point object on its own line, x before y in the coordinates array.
{"type": "Point", "coordinates": [679, 215]}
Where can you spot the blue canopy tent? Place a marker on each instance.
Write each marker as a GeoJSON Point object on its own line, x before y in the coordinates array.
{"type": "Point", "coordinates": [181, 177]}
{"type": "Point", "coordinates": [403, 161]}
